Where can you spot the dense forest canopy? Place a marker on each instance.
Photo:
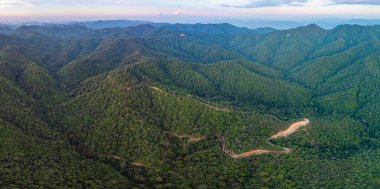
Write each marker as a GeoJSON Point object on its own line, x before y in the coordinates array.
{"type": "Point", "coordinates": [89, 105]}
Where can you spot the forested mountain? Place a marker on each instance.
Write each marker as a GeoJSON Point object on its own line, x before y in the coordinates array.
{"type": "Point", "coordinates": [164, 106]}
{"type": "Point", "coordinates": [208, 28]}
{"type": "Point", "coordinates": [5, 30]}
{"type": "Point", "coordinates": [101, 24]}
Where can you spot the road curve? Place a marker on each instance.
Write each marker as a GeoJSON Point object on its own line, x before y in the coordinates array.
{"type": "Point", "coordinates": [291, 129]}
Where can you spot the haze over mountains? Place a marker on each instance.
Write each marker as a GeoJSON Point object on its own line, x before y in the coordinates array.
{"type": "Point", "coordinates": [124, 104]}
{"type": "Point", "coordinates": [326, 23]}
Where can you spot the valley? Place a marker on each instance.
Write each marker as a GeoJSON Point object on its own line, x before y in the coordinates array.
{"type": "Point", "coordinates": [144, 106]}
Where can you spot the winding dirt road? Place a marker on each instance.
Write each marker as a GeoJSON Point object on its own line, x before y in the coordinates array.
{"type": "Point", "coordinates": [291, 129]}
{"type": "Point", "coordinates": [204, 103]}
{"type": "Point", "coordinates": [254, 152]}
{"type": "Point", "coordinates": [216, 108]}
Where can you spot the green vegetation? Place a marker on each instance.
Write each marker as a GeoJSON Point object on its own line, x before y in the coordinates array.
{"type": "Point", "coordinates": [87, 108]}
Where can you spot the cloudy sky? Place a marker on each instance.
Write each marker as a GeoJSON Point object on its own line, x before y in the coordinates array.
{"type": "Point", "coordinates": [186, 9]}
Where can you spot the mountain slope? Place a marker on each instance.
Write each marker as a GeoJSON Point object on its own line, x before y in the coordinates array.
{"type": "Point", "coordinates": [5, 30]}
{"type": "Point", "coordinates": [161, 106]}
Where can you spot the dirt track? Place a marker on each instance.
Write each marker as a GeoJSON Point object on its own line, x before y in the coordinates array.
{"type": "Point", "coordinates": [291, 129]}
{"type": "Point", "coordinates": [204, 103]}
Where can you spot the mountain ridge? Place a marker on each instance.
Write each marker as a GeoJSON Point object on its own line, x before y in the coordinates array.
{"type": "Point", "coordinates": [96, 105]}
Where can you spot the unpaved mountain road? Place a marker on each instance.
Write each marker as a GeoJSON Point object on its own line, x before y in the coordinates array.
{"type": "Point", "coordinates": [290, 130]}
{"type": "Point", "coordinates": [204, 103]}
{"type": "Point", "coordinates": [293, 128]}
{"type": "Point", "coordinates": [253, 152]}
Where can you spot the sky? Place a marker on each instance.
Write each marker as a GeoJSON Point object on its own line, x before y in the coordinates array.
{"type": "Point", "coordinates": [185, 10]}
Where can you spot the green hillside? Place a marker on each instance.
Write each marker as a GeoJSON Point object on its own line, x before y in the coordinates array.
{"type": "Point", "coordinates": [168, 106]}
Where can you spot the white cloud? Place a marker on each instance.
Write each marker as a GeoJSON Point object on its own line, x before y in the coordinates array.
{"type": "Point", "coordinates": [12, 3]}
{"type": "Point", "coordinates": [356, 2]}
{"type": "Point", "coordinates": [267, 3]}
